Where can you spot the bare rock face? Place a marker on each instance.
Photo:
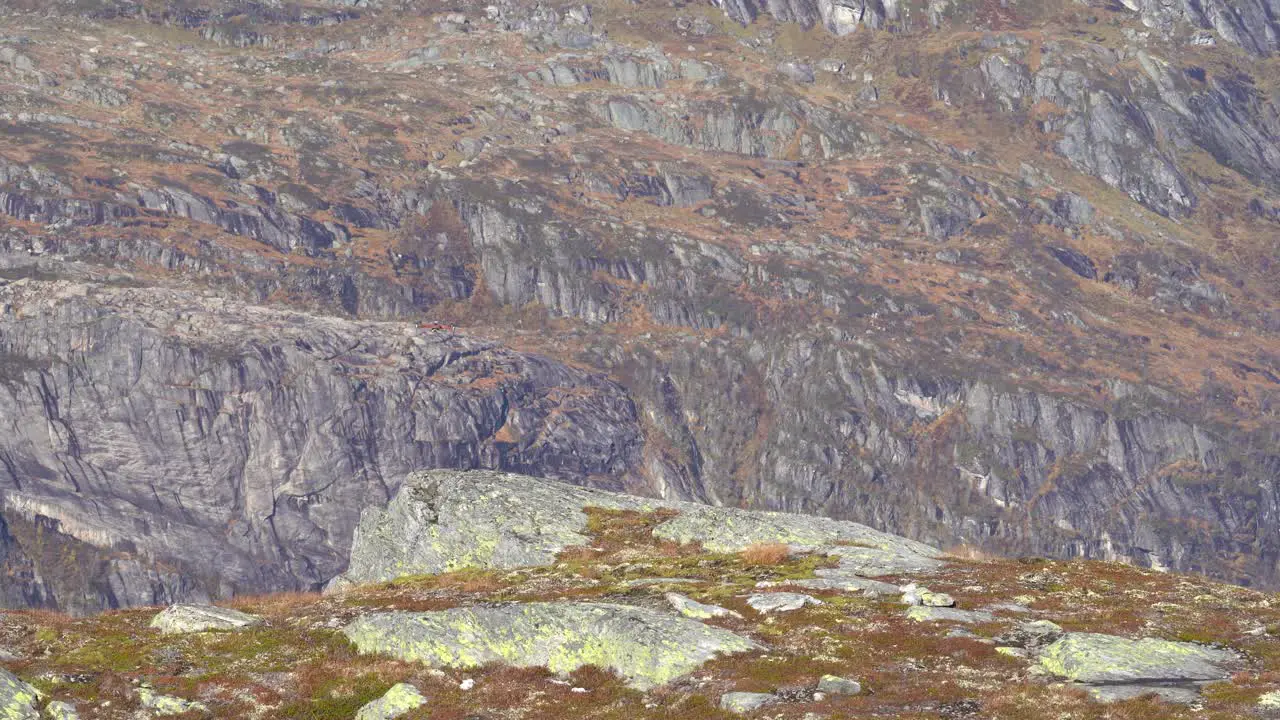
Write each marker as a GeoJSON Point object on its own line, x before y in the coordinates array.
{"type": "Point", "coordinates": [281, 426]}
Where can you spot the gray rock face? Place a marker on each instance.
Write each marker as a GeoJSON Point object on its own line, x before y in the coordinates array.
{"type": "Point", "coordinates": [288, 424]}
{"type": "Point", "coordinates": [646, 647]}
{"type": "Point", "coordinates": [17, 698]}
{"type": "Point", "coordinates": [445, 520]}
{"type": "Point", "coordinates": [177, 619]}
{"type": "Point", "coordinates": [1109, 137]}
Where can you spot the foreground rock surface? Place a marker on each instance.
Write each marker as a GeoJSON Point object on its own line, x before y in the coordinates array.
{"type": "Point", "coordinates": [445, 520]}
{"type": "Point", "coordinates": [646, 647]}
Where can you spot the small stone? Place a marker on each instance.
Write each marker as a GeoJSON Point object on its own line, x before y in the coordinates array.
{"type": "Point", "coordinates": [167, 704]}
{"type": "Point", "coordinates": [1016, 652]}
{"type": "Point", "coordinates": [834, 685]}
{"type": "Point", "coordinates": [1270, 701]}
{"type": "Point", "coordinates": [201, 618]}
{"type": "Point", "coordinates": [933, 599]}
{"type": "Point", "coordinates": [397, 701]}
{"type": "Point", "coordinates": [744, 702]}
{"type": "Point", "coordinates": [781, 602]}
{"type": "Point", "coordinates": [467, 684]}
{"type": "Point", "coordinates": [921, 613]}
{"type": "Point", "coordinates": [691, 608]}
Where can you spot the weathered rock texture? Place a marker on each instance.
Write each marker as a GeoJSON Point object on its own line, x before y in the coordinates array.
{"type": "Point", "coordinates": [646, 647]}
{"type": "Point", "coordinates": [444, 520]}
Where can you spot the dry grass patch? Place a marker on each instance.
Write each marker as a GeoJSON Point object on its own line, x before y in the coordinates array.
{"type": "Point", "coordinates": [766, 554]}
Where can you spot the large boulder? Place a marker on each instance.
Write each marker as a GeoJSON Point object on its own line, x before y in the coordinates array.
{"type": "Point", "coordinates": [1108, 659]}
{"type": "Point", "coordinates": [17, 698]}
{"type": "Point", "coordinates": [646, 647]}
{"type": "Point", "coordinates": [443, 520]}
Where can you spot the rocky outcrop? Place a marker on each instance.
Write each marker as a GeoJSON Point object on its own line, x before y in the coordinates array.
{"type": "Point", "coordinates": [445, 520]}
{"type": "Point", "coordinates": [282, 428]}
{"type": "Point", "coordinates": [1251, 24]}
{"type": "Point", "coordinates": [647, 648]}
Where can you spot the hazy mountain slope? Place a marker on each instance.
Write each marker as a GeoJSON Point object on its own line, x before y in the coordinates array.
{"type": "Point", "coordinates": [999, 274]}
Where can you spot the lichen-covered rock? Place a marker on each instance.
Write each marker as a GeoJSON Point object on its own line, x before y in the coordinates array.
{"type": "Point", "coordinates": [177, 619]}
{"type": "Point", "coordinates": [691, 608]}
{"type": "Point", "coordinates": [443, 520]}
{"type": "Point", "coordinates": [646, 647]}
{"type": "Point", "coordinates": [835, 685]}
{"type": "Point", "coordinates": [400, 699]}
{"type": "Point", "coordinates": [1097, 658]}
{"type": "Point", "coordinates": [922, 613]}
{"type": "Point", "coordinates": [781, 602]}
{"type": "Point", "coordinates": [1270, 700]}
{"type": "Point", "coordinates": [17, 698]}
{"type": "Point", "coordinates": [166, 704]}
{"type": "Point", "coordinates": [745, 702]}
